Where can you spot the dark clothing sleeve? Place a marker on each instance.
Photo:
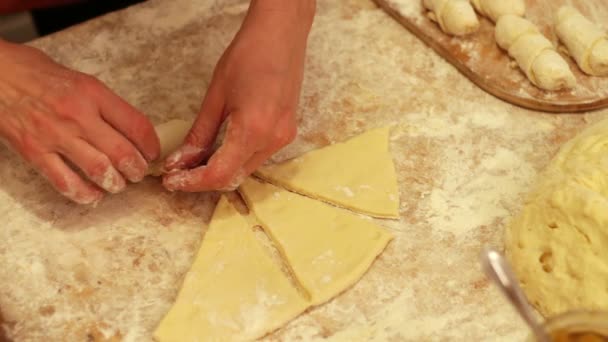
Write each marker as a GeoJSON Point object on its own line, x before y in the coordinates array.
{"type": "Point", "coordinates": [53, 19]}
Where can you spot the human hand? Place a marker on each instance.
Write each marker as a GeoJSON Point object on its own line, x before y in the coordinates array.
{"type": "Point", "coordinates": [64, 122]}
{"type": "Point", "coordinates": [255, 87]}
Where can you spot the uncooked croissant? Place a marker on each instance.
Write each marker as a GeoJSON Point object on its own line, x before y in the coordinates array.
{"type": "Point", "coordinates": [455, 17]}
{"type": "Point", "coordinates": [534, 53]}
{"type": "Point", "coordinates": [494, 9]}
{"type": "Point", "coordinates": [171, 135]}
{"type": "Point", "coordinates": [586, 43]}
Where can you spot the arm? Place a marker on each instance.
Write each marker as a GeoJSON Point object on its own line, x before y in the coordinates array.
{"type": "Point", "coordinates": [256, 88]}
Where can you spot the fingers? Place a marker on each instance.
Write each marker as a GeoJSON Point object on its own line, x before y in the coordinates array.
{"type": "Point", "coordinates": [123, 155]}
{"type": "Point", "coordinates": [199, 140]}
{"type": "Point", "coordinates": [243, 151]}
{"type": "Point", "coordinates": [223, 171]}
{"type": "Point", "coordinates": [66, 181]}
{"type": "Point", "coordinates": [128, 121]}
{"type": "Point", "coordinates": [95, 165]}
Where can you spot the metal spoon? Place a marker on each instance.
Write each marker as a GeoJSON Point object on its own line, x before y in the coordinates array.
{"type": "Point", "coordinates": [497, 268]}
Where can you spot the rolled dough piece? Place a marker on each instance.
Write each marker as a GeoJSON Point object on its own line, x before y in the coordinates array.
{"type": "Point", "coordinates": [586, 42]}
{"type": "Point", "coordinates": [357, 174]}
{"type": "Point", "coordinates": [534, 53]}
{"type": "Point", "coordinates": [171, 135]}
{"type": "Point", "coordinates": [234, 290]}
{"type": "Point", "coordinates": [558, 244]}
{"type": "Point", "coordinates": [455, 17]}
{"type": "Point", "coordinates": [327, 248]}
{"type": "Point", "coordinates": [494, 9]}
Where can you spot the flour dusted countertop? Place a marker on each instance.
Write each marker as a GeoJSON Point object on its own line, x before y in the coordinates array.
{"type": "Point", "coordinates": [464, 161]}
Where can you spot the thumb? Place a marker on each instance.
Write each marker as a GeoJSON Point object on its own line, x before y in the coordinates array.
{"type": "Point", "coordinates": [199, 141]}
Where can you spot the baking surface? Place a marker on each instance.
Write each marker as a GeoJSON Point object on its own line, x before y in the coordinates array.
{"type": "Point", "coordinates": [478, 56]}
{"type": "Point", "coordinates": [464, 160]}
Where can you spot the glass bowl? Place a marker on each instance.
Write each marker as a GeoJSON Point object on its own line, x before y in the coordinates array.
{"type": "Point", "coordinates": [578, 326]}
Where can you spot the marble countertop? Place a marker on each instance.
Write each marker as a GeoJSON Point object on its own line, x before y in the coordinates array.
{"type": "Point", "coordinates": [464, 159]}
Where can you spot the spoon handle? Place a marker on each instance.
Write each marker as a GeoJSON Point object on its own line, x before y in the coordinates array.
{"type": "Point", "coordinates": [496, 267]}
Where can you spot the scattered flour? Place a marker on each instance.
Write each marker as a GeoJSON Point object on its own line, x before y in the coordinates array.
{"type": "Point", "coordinates": [346, 190]}
{"type": "Point", "coordinates": [474, 195]}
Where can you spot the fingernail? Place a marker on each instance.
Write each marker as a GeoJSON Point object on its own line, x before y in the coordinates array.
{"type": "Point", "coordinates": [181, 156]}
{"type": "Point", "coordinates": [174, 181]}
{"type": "Point", "coordinates": [132, 169]}
{"type": "Point", "coordinates": [84, 198]}
{"type": "Point", "coordinates": [112, 181]}
{"type": "Point", "coordinates": [172, 160]}
{"type": "Point", "coordinates": [94, 200]}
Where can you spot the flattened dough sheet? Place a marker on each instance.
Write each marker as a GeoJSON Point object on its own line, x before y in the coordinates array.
{"type": "Point", "coordinates": [234, 290]}
{"type": "Point", "coordinates": [357, 174]}
{"type": "Point", "coordinates": [329, 249]}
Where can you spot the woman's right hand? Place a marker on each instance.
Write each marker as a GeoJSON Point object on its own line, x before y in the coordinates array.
{"type": "Point", "coordinates": [62, 121]}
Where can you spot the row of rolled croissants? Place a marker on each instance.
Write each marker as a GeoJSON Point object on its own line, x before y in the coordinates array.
{"type": "Point", "coordinates": [582, 39]}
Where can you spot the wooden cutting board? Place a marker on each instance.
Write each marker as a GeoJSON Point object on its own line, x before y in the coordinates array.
{"type": "Point", "coordinates": [480, 59]}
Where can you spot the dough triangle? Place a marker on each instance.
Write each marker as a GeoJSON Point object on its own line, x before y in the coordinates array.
{"type": "Point", "coordinates": [357, 174]}
{"type": "Point", "coordinates": [327, 248]}
{"type": "Point", "coordinates": [171, 135]}
{"type": "Point", "coordinates": [234, 291]}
